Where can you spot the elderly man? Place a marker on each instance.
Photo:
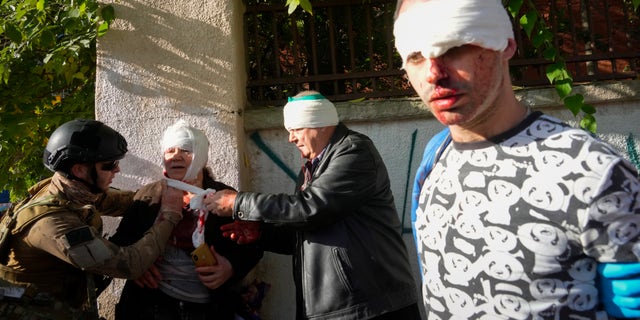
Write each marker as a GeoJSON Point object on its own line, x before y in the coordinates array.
{"type": "Point", "coordinates": [340, 224]}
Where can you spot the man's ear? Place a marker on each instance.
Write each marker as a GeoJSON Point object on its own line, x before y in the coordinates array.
{"type": "Point", "coordinates": [511, 48]}
{"type": "Point", "coordinates": [79, 170]}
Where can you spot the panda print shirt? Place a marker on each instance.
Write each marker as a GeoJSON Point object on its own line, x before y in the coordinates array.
{"type": "Point", "coordinates": [513, 228]}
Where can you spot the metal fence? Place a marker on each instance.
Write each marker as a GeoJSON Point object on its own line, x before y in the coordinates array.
{"type": "Point", "coordinates": [346, 50]}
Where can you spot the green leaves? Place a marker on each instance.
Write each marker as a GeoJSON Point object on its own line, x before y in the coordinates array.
{"type": "Point", "coordinates": [528, 22]}
{"type": "Point", "coordinates": [108, 15]}
{"type": "Point", "coordinates": [12, 32]}
{"type": "Point", "coordinates": [304, 4]}
{"type": "Point", "coordinates": [47, 73]}
{"type": "Point", "coordinates": [556, 72]}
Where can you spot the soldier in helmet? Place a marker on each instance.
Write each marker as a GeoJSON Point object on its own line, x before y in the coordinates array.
{"type": "Point", "coordinates": [54, 247]}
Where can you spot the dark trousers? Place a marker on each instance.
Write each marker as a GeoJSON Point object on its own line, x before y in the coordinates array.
{"type": "Point", "coordinates": [410, 312]}
{"type": "Point", "coordinates": [152, 304]}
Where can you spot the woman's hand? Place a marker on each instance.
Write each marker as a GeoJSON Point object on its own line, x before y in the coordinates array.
{"type": "Point", "coordinates": [216, 275]}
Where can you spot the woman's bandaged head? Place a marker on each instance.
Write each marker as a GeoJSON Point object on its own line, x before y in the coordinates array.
{"type": "Point", "coordinates": [309, 111]}
{"type": "Point", "coordinates": [185, 137]}
{"type": "Point", "coordinates": [434, 26]}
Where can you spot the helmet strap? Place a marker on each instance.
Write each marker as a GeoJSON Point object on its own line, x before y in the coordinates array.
{"type": "Point", "coordinates": [94, 178]}
{"type": "Point", "coordinates": [93, 187]}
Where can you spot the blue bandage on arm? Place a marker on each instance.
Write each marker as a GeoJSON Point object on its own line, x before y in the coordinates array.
{"type": "Point", "coordinates": [619, 285]}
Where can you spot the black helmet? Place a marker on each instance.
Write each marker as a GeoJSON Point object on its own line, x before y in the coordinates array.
{"type": "Point", "coordinates": [82, 140]}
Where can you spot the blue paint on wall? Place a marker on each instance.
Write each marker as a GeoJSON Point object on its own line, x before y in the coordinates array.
{"type": "Point", "coordinates": [255, 137]}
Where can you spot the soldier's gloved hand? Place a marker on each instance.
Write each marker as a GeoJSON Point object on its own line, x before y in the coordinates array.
{"type": "Point", "coordinates": [620, 288]}
{"type": "Point", "coordinates": [171, 204]}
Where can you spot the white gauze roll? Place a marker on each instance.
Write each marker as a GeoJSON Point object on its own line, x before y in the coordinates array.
{"type": "Point", "coordinates": [435, 26]}
{"type": "Point", "coordinates": [185, 137]}
{"type": "Point", "coordinates": [312, 111]}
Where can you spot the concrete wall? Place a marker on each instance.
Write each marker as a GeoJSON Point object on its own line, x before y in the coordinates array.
{"type": "Point", "coordinates": [165, 60]}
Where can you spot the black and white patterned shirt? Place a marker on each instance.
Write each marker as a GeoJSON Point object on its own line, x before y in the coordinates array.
{"type": "Point", "coordinates": [513, 228]}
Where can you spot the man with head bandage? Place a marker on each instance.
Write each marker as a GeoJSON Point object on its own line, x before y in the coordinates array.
{"type": "Point", "coordinates": [340, 224]}
{"type": "Point", "coordinates": [175, 288]}
{"type": "Point", "coordinates": [513, 211]}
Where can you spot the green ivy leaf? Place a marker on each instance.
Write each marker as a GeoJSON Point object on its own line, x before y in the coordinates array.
{"type": "Point", "coordinates": [74, 13]}
{"type": "Point", "coordinates": [588, 109]}
{"type": "Point", "coordinates": [554, 72]}
{"type": "Point", "coordinates": [542, 37]}
{"type": "Point", "coordinates": [528, 22]}
{"type": "Point", "coordinates": [563, 88]}
{"type": "Point", "coordinates": [514, 7]}
{"type": "Point", "coordinates": [636, 4]}
{"type": "Point", "coordinates": [102, 29]}
{"type": "Point", "coordinates": [108, 14]}
{"type": "Point", "coordinates": [588, 122]}
{"type": "Point", "coordinates": [550, 53]}
{"type": "Point", "coordinates": [306, 5]}
{"type": "Point", "coordinates": [292, 4]}
{"type": "Point", "coordinates": [574, 103]}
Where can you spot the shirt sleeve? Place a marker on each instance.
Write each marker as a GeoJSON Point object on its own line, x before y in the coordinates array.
{"type": "Point", "coordinates": [67, 237]}
{"type": "Point", "coordinates": [348, 178]}
{"type": "Point", "coordinates": [612, 230]}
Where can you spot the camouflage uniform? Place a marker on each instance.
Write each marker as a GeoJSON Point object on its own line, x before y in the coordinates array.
{"type": "Point", "coordinates": [53, 247]}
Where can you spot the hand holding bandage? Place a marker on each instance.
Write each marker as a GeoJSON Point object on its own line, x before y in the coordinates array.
{"type": "Point", "coordinates": [221, 203]}
{"type": "Point", "coordinates": [171, 205]}
{"type": "Point", "coordinates": [196, 203]}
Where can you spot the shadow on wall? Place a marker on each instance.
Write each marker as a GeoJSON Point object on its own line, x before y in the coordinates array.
{"type": "Point", "coordinates": [164, 52]}
{"type": "Point", "coordinates": [137, 172]}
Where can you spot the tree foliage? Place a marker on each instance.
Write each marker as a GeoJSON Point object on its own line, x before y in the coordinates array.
{"type": "Point", "coordinates": [47, 77]}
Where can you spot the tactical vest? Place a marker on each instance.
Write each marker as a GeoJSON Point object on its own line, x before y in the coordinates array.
{"type": "Point", "coordinates": [16, 221]}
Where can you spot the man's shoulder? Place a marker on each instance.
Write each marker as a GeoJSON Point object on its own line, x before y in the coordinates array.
{"type": "Point", "coordinates": [353, 137]}
{"type": "Point", "coordinates": [49, 210]}
{"type": "Point", "coordinates": [582, 144]}
{"type": "Point", "coordinates": [149, 190]}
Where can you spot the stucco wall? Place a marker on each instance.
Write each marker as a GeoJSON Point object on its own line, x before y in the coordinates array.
{"type": "Point", "coordinates": [167, 60]}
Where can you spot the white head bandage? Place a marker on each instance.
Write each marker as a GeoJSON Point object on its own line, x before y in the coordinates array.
{"type": "Point", "coordinates": [312, 111]}
{"type": "Point", "coordinates": [188, 138]}
{"type": "Point", "coordinates": [435, 26]}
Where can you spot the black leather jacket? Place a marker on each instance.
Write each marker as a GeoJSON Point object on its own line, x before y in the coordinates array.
{"type": "Point", "coordinates": [350, 261]}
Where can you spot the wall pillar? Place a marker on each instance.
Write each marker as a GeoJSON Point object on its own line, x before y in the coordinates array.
{"type": "Point", "coordinates": [167, 60]}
